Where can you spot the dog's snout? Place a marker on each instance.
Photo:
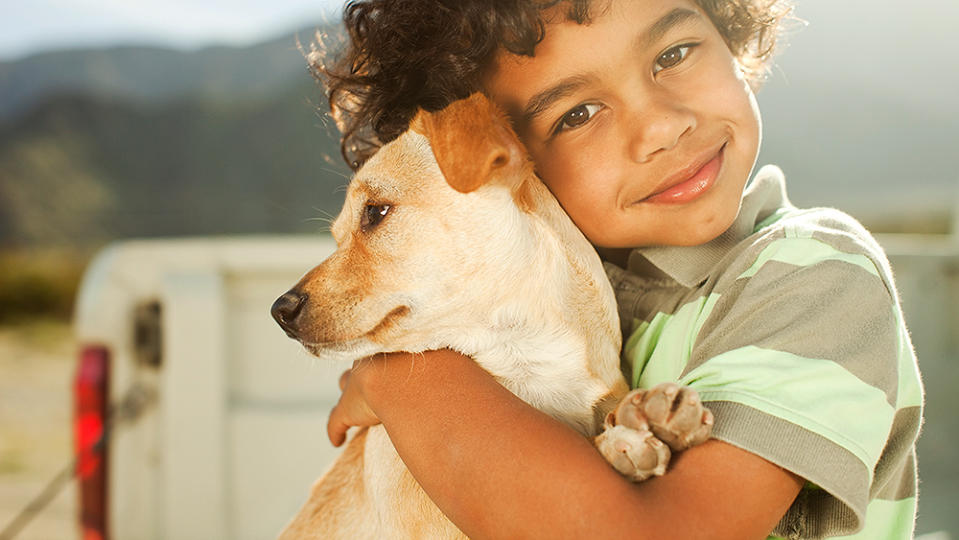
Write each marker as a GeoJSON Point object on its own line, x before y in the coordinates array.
{"type": "Point", "coordinates": [286, 308]}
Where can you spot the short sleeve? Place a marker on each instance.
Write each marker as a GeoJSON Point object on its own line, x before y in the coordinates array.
{"type": "Point", "coordinates": [798, 358]}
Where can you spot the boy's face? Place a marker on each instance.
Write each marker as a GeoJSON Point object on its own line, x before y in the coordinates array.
{"type": "Point", "coordinates": [640, 122]}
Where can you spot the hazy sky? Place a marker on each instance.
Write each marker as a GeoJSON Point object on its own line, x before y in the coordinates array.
{"type": "Point", "coordinates": [28, 26]}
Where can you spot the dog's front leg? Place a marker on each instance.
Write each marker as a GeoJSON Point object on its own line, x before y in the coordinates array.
{"type": "Point", "coordinates": [648, 425]}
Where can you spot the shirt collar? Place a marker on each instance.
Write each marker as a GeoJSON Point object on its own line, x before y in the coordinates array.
{"type": "Point", "coordinates": [690, 266]}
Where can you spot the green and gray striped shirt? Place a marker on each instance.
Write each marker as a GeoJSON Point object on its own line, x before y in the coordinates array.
{"type": "Point", "coordinates": [789, 327]}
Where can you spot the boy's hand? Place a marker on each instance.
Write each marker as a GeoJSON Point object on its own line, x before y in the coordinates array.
{"type": "Point", "coordinates": [352, 409]}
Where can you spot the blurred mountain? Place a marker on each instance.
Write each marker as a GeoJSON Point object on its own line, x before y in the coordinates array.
{"type": "Point", "coordinates": [178, 149]}
{"type": "Point", "coordinates": [83, 169]}
{"type": "Point", "coordinates": [150, 74]}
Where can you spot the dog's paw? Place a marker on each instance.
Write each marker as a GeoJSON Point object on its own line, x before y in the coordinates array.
{"type": "Point", "coordinates": [671, 412]}
{"type": "Point", "coordinates": [647, 424]}
{"type": "Point", "coordinates": [636, 454]}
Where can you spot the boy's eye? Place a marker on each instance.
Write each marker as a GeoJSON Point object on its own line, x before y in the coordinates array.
{"type": "Point", "coordinates": [577, 116]}
{"type": "Point", "coordinates": [672, 57]}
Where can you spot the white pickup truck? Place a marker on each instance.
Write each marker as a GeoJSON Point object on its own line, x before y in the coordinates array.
{"type": "Point", "coordinates": [218, 425]}
{"type": "Point", "coordinates": [219, 419]}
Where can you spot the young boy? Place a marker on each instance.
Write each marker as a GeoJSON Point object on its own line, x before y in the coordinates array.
{"type": "Point", "coordinates": [641, 119]}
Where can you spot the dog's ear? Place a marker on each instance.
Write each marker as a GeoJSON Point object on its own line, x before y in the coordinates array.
{"type": "Point", "coordinates": [473, 143]}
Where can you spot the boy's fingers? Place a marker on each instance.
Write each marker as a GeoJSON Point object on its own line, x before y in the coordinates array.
{"type": "Point", "coordinates": [344, 378]}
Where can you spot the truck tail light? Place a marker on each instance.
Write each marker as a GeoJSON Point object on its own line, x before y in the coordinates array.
{"type": "Point", "coordinates": [91, 424]}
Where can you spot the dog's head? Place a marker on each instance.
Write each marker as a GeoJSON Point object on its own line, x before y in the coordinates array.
{"type": "Point", "coordinates": [427, 241]}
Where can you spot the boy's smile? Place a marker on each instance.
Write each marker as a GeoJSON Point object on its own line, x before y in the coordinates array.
{"type": "Point", "coordinates": [640, 121]}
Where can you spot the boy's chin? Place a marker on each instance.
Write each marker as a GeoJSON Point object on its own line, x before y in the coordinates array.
{"type": "Point", "coordinates": [705, 232]}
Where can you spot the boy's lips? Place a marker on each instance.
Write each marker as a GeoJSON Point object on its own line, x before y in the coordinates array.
{"type": "Point", "coordinates": [691, 182]}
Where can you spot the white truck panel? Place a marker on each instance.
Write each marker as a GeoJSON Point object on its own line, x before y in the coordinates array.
{"type": "Point", "coordinates": [238, 433]}
{"type": "Point", "coordinates": [194, 408]}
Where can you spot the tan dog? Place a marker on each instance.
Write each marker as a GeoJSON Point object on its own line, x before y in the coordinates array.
{"type": "Point", "coordinates": [448, 239]}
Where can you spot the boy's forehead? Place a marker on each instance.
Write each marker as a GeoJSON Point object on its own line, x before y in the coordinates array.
{"type": "Point", "coordinates": [571, 50]}
{"type": "Point", "coordinates": [650, 18]}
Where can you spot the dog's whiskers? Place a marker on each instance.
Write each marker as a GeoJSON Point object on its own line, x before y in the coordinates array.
{"type": "Point", "coordinates": [341, 174]}
{"type": "Point", "coordinates": [326, 219]}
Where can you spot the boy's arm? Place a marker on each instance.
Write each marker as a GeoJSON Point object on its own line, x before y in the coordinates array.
{"type": "Point", "coordinates": [502, 469]}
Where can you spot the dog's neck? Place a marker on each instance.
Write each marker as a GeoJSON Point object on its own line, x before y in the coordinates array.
{"type": "Point", "coordinates": [549, 352]}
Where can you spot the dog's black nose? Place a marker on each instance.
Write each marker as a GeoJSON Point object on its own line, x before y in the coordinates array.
{"type": "Point", "coordinates": [286, 308]}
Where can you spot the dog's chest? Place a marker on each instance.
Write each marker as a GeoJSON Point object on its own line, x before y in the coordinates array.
{"type": "Point", "coordinates": [398, 503]}
{"type": "Point", "coordinates": [550, 371]}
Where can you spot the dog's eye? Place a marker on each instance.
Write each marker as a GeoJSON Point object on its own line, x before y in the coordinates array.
{"type": "Point", "coordinates": [373, 214]}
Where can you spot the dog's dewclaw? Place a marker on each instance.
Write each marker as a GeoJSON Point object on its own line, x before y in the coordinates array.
{"type": "Point", "coordinates": [636, 454]}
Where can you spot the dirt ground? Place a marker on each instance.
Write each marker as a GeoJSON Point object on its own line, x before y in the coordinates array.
{"type": "Point", "coordinates": [36, 367]}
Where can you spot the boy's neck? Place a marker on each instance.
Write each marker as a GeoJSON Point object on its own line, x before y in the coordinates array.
{"type": "Point", "coordinates": [617, 256]}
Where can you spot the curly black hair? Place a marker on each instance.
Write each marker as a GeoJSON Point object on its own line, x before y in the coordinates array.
{"type": "Point", "coordinates": [406, 55]}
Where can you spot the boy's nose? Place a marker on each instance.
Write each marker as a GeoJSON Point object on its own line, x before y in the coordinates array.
{"type": "Point", "coordinates": [657, 129]}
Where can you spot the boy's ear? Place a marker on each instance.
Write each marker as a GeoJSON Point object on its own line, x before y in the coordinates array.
{"type": "Point", "coordinates": [472, 142]}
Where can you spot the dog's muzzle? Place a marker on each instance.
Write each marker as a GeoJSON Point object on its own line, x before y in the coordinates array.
{"type": "Point", "coordinates": [285, 310]}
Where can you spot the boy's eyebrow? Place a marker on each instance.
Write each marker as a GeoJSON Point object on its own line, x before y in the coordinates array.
{"type": "Point", "coordinates": [542, 101]}
{"type": "Point", "coordinates": [665, 23]}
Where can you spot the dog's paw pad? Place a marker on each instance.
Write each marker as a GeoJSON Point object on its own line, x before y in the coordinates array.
{"type": "Point", "coordinates": [636, 454]}
{"type": "Point", "coordinates": [673, 413]}
{"type": "Point", "coordinates": [676, 415]}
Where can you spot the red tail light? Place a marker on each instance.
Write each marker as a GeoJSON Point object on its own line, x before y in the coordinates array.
{"type": "Point", "coordinates": [92, 401]}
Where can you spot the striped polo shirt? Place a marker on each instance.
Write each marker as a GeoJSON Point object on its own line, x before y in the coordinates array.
{"type": "Point", "coordinates": [789, 327]}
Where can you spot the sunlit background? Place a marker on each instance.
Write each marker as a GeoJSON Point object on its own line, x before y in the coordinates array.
{"type": "Point", "coordinates": [124, 119]}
